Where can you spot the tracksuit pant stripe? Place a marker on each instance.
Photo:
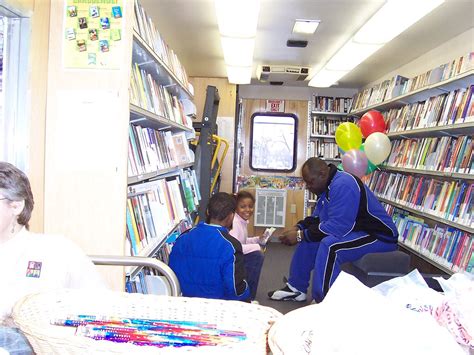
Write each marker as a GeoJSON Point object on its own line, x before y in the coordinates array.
{"type": "Point", "coordinates": [331, 257]}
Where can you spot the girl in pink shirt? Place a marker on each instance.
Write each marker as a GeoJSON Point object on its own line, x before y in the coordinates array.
{"type": "Point", "coordinates": [251, 246]}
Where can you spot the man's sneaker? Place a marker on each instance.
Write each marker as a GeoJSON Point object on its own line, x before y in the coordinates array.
{"type": "Point", "coordinates": [288, 293]}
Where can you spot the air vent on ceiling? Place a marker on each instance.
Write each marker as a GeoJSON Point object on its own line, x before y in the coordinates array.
{"type": "Point", "coordinates": [276, 83]}
{"type": "Point", "coordinates": [282, 73]}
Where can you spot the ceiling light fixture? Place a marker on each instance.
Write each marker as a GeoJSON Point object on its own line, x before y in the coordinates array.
{"type": "Point", "coordinates": [237, 21]}
{"type": "Point", "coordinates": [307, 27]}
{"type": "Point", "coordinates": [394, 17]}
{"type": "Point", "coordinates": [239, 75]}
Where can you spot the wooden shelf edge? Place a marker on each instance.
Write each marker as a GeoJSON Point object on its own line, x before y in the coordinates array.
{"type": "Point", "coordinates": [330, 113]}
{"type": "Point", "coordinates": [159, 173]}
{"type": "Point", "coordinates": [151, 250]}
{"type": "Point", "coordinates": [426, 258]}
{"type": "Point", "coordinates": [435, 129]}
{"type": "Point", "coordinates": [445, 174]}
{"type": "Point", "coordinates": [428, 215]}
{"type": "Point", "coordinates": [400, 98]}
{"type": "Point", "coordinates": [322, 136]}
{"type": "Point", "coordinates": [140, 40]}
{"type": "Point", "coordinates": [148, 115]}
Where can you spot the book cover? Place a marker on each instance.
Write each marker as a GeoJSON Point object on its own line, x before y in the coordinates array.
{"type": "Point", "coordinates": [181, 148]}
{"type": "Point", "coordinates": [134, 226]}
{"type": "Point", "coordinates": [131, 232]}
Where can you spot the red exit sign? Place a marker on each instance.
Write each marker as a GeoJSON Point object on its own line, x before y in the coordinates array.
{"type": "Point", "coordinates": [275, 105]}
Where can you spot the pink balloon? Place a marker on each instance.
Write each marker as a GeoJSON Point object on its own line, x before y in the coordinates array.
{"type": "Point", "coordinates": [355, 162]}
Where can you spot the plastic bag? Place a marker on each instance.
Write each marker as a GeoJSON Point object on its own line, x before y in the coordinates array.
{"type": "Point", "coordinates": [410, 291]}
{"type": "Point", "coordinates": [354, 319]}
{"type": "Point", "coordinates": [453, 310]}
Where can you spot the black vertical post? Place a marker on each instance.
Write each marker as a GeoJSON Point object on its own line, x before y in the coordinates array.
{"type": "Point", "coordinates": [208, 128]}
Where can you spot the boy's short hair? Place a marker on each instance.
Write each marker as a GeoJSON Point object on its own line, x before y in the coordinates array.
{"type": "Point", "coordinates": [220, 206]}
{"type": "Point", "coordinates": [244, 194]}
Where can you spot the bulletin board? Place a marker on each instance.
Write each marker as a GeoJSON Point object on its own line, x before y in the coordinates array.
{"type": "Point", "coordinates": [93, 34]}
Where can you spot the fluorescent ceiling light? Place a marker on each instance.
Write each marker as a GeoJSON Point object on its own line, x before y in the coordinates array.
{"type": "Point", "coordinates": [326, 78]}
{"type": "Point", "coordinates": [239, 75]}
{"type": "Point", "coordinates": [237, 18]}
{"type": "Point", "coordinates": [351, 55]}
{"type": "Point", "coordinates": [305, 26]}
{"type": "Point", "coordinates": [394, 17]}
{"type": "Point", "coordinates": [238, 51]}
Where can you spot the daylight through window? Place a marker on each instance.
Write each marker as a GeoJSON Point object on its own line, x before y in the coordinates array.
{"type": "Point", "coordinates": [273, 142]}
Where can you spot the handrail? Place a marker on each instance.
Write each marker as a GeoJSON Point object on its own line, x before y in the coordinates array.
{"type": "Point", "coordinates": [219, 140]}
{"type": "Point", "coordinates": [143, 262]}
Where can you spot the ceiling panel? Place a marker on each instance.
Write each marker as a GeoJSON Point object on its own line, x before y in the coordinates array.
{"type": "Point", "coordinates": [190, 28]}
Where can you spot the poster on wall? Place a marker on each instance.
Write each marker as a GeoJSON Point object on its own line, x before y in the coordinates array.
{"type": "Point", "coordinates": [93, 34]}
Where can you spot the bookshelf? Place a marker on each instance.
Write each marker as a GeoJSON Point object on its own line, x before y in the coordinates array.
{"type": "Point", "coordinates": [429, 174]}
{"type": "Point", "coordinates": [162, 194]}
{"type": "Point", "coordinates": [149, 60]}
{"type": "Point", "coordinates": [421, 94]}
{"type": "Point", "coordinates": [149, 119]}
{"type": "Point", "coordinates": [324, 116]}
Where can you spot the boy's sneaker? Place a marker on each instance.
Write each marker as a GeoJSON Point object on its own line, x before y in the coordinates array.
{"type": "Point", "coordinates": [288, 293]}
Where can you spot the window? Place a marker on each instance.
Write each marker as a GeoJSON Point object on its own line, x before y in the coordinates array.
{"type": "Point", "coordinates": [14, 121]}
{"type": "Point", "coordinates": [273, 142]}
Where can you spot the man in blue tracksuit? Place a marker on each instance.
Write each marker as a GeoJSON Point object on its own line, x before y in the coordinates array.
{"type": "Point", "coordinates": [348, 222]}
{"type": "Point", "coordinates": [207, 260]}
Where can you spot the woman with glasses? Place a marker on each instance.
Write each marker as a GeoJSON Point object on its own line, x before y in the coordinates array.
{"type": "Point", "coordinates": [32, 262]}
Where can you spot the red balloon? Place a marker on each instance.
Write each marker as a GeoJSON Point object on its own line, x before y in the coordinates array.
{"type": "Point", "coordinates": [371, 122]}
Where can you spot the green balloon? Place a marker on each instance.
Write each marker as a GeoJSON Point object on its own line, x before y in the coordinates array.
{"type": "Point", "coordinates": [340, 167]}
{"type": "Point", "coordinates": [371, 166]}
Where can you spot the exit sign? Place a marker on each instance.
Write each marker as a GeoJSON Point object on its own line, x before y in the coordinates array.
{"type": "Point", "coordinates": [275, 105]}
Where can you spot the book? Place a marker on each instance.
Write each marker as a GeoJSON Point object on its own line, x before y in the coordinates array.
{"type": "Point", "coordinates": [181, 148]}
{"type": "Point", "coordinates": [267, 234]}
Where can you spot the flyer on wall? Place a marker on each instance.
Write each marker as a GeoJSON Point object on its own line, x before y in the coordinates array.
{"type": "Point", "coordinates": [93, 34]}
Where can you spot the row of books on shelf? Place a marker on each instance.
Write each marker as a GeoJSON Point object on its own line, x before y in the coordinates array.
{"type": "Point", "coordinates": [147, 30]}
{"type": "Point", "coordinates": [444, 154]}
{"type": "Point", "coordinates": [331, 104]}
{"type": "Point", "coordinates": [447, 246]}
{"type": "Point", "coordinates": [151, 150]}
{"type": "Point", "coordinates": [146, 93]}
{"type": "Point", "coordinates": [148, 283]}
{"type": "Point", "coordinates": [324, 148]}
{"type": "Point", "coordinates": [154, 208]}
{"type": "Point", "coordinates": [454, 107]}
{"type": "Point", "coordinates": [326, 125]}
{"type": "Point", "coordinates": [400, 85]}
{"type": "Point", "coordinates": [451, 200]}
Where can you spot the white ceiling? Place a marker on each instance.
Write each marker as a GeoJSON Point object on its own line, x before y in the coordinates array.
{"type": "Point", "coordinates": [190, 28]}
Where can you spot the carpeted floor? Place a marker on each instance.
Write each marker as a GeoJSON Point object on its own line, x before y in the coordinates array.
{"type": "Point", "coordinates": [275, 267]}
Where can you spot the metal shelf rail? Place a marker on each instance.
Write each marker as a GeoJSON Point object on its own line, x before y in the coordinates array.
{"type": "Point", "coordinates": [160, 266]}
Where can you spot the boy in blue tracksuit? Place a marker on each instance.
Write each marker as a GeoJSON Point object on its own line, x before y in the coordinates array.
{"type": "Point", "coordinates": [207, 260]}
{"type": "Point", "coordinates": [347, 223]}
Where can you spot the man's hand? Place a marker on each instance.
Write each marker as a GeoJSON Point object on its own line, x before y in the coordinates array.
{"type": "Point", "coordinates": [288, 237]}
